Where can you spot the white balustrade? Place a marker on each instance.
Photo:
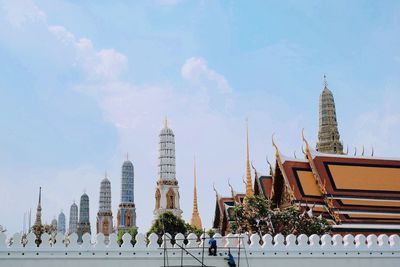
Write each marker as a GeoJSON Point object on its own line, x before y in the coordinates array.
{"type": "Point", "coordinates": [348, 244]}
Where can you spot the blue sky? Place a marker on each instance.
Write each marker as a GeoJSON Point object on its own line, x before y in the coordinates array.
{"type": "Point", "coordinates": [83, 83]}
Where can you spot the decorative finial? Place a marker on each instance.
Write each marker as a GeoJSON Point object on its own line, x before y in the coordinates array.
{"type": "Point", "coordinates": [294, 154]}
{"type": "Point", "coordinates": [347, 150]}
{"type": "Point", "coordinates": [302, 149]}
{"type": "Point", "coordinates": [325, 82]}
{"type": "Point", "coordinates": [195, 207]}
{"type": "Point", "coordinates": [232, 191]}
{"type": "Point", "coordinates": [305, 140]}
{"type": "Point", "coordinates": [270, 166]}
{"type": "Point", "coordinates": [273, 142]}
{"type": "Point", "coordinates": [40, 195]}
{"type": "Point", "coordinates": [355, 151]}
{"type": "Point", "coordinates": [252, 166]}
{"type": "Point", "coordinates": [249, 187]}
{"type": "Point", "coordinates": [215, 190]}
{"type": "Point", "coordinates": [127, 156]}
{"type": "Point", "coordinates": [362, 154]}
{"type": "Point", "coordinates": [372, 153]}
{"type": "Point", "coordinates": [166, 122]}
{"type": "Point", "coordinates": [105, 174]}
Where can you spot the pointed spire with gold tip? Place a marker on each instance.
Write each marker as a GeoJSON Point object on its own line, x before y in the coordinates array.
{"type": "Point", "coordinates": [195, 221]}
{"type": "Point", "coordinates": [249, 186]}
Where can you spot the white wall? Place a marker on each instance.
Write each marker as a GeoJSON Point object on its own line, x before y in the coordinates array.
{"type": "Point", "coordinates": [326, 251]}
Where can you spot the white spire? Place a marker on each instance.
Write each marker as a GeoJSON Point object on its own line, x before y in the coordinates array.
{"type": "Point", "coordinates": [166, 167]}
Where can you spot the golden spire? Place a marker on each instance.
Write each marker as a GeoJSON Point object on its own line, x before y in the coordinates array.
{"type": "Point", "coordinates": [195, 220]}
{"type": "Point", "coordinates": [249, 187]}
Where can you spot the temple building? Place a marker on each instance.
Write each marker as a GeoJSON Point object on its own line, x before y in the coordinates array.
{"type": "Point", "coordinates": [356, 194]}
{"type": "Point", "coordinates": [61, 223]}
{"type": "Point", "coordinates": [328, 134]}
{"type": "Point", "coordinates": [84, 222]}
{"type": "Point", "coordinates": [104, 222]}
{"type": "Point", "coordinates": [73, 219]}
{"type": "Point", "coordinates": [167, 191]}
{"type": "Point", "coordinates": [126, 217]}
{"type": "Point", "coordinates": [195, 221]}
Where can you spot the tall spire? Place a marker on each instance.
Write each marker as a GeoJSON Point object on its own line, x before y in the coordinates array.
{"type": "Point", "coordinates": [126, 215]}
{"type": "Point", "coordinates": [38, 220]}
{"type": "Point", "coordinates": [167, 191]}
{"type": "Point", "coordinates": [249, 187]}
{"type": "Point", "coordinates": [328, 135]}
{"type": "Point", "coordinates": [104, 222]}
{"type": "Point", "coordinates": [195, 220]}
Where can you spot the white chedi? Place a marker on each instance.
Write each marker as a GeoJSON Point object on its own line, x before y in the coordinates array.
{"type": "Point", "coordinates": [167, 191]}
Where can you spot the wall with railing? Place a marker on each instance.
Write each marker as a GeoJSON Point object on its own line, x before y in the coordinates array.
{"type": "Point", "coordinates": [327, 250]}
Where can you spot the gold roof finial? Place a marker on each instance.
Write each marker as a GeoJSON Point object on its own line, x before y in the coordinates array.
{"type": "Point", "coordinates": [215, 190]}
{"type": "Point", "coordinates": [195, 208]}
{"type": "Point", "coordinates": [249, 187]}
{"type": "Point", "coordinates": [232, 191]}
{"type": "Point", "coordinates": [305, 140]}
{"type": "Point", "coordinates": [195, 220]}
{"type": "Point", "coordinates": [270, 166]}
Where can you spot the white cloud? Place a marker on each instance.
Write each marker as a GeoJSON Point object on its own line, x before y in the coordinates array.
{"type": "Point", "coordinates": [104, 64]}
{"type": "Point", "coordinates": [20, 12]}
{"type": "Point", "coordinates": [197, 71]}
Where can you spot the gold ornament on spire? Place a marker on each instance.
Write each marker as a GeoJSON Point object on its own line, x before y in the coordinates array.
{"type": "Point", "coordinates": [195, 221]}
{"type": "Point", "coordinates": [249, 187]}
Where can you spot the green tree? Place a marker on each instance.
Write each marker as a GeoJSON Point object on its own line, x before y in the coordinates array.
{"type": "Point", "coordinates": [211, 232]}
{"type": "Point", "coordinates": [132, 231]}
{"type": "Point", "coordinates": [167, 222]}
{"type": "Point", "coordinates": [255, 215]}
{"type": "Point", "coordinates": [191, 229]}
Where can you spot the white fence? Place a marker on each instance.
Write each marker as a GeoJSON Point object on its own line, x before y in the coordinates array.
{"type": "Point", "coordinates": [311, 251]}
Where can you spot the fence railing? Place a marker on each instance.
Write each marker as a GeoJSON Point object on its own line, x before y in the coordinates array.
{"type": "Point", "coordinates": [254, 242]}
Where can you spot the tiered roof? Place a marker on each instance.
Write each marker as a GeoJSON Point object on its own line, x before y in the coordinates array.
{"type": "Point", "coordinates": [359, 194]}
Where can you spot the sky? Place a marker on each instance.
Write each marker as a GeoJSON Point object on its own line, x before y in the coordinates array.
{"type": "Point", "coordinates": [84, 82]}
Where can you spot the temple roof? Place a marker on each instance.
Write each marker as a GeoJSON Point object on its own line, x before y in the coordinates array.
{"type": "Point", "coordinates": [360, 190]}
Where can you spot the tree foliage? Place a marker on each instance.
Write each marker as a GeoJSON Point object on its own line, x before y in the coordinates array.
{"type": "Point", "coordinates": [132, 231]}
{"type": "Point", "coordinates": [255, 215]}
{"type": "Point", "coordinates": [168, 222]}
{"type": "Point", "coordinates": [192, 229]}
